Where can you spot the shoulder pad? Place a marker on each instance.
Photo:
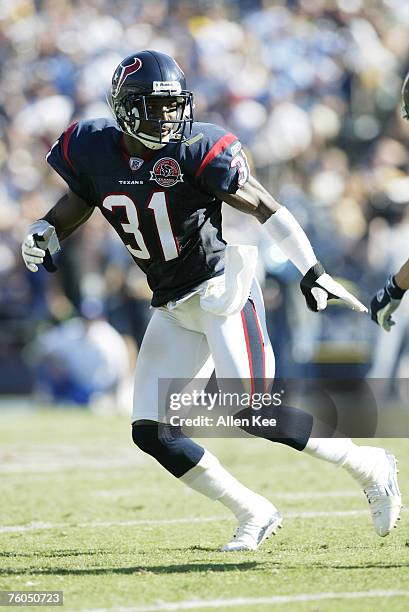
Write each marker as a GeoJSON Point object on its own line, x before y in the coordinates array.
{"type": "Point", "coordinates": [209, 156]}
{"type": "Point", "coordinates": [85, 137]}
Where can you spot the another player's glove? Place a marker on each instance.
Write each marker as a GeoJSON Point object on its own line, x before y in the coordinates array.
{"type": "Point", "coordinates": [40, 243]}
{"type": "Point", "coordinates": [385, 302]}
{"type": "Point", "coordinates": [318, 287]}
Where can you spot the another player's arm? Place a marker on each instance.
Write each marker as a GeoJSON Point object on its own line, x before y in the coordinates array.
{"type": "Point", "coordinates": [45, 234]}
{"type": "Point", "coordinates": [388, 299]}
{"type": "Point", "coordinates": [402, 277]}
{"type": "Point", "coordinates": [316, 285]}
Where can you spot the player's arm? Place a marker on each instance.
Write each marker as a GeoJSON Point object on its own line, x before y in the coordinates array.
{"type": "Point", "coordinates": [68, 214]}
{"type": "Point", "coordinates": [251, 198]}
{"type": "Point", "coordinates": [43, 237]}
{"type": "Point", "coordinates": [316, 285]}
{"type": "Point", "coordinates": [69, 157]}
{"type": "Point", "coordinates": [402, 277]}
{"type": "Point", "coordinates": [388, 299]}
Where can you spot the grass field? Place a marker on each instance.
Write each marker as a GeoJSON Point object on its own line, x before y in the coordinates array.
{"type": "Point", "coordinates": [83, 511]}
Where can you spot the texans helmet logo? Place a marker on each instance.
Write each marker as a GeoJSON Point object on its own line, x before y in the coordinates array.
{"type": "Point", "coordinates": [125, 72]}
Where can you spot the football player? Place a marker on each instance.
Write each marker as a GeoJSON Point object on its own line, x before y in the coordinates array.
{"type": "Point", "coordinates": [159, 178]}
{"type": "Point", "coordinates": [388, 299]}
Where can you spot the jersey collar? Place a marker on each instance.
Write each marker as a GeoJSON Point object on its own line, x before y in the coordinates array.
{"type": "Point", "coordinates": [146, 155]}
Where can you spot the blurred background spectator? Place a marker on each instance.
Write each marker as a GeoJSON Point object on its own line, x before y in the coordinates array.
{"type": "Point", "coordinates": [82, 361]}
{"type": "Point", "coordinates": [311, 87]}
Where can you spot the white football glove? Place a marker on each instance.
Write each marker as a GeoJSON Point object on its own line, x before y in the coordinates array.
{"type": "Point", "coordinates": [40, 243]}
{"type": "Point", "coordinates": [318, 287]}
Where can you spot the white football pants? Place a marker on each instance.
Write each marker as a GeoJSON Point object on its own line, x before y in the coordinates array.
{"type": "Point", "coordinates": [188, 342]}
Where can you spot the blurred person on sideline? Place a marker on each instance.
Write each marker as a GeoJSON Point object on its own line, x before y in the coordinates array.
{"type": "Point", "coordinates": [82, 361]}
{"type": "Point", "coordinates": [159, 178]}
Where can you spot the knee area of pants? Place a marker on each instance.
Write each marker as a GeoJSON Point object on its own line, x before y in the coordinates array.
{"type": "Point", "coordinates": [174, 451]}
{"type": "Point", "coordinates": [145, 436]}
{"type": "Point", "coordinates": [155, 438]}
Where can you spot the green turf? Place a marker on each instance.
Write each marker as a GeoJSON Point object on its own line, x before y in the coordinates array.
{"type": "Point", "coordinates": [71, 469]}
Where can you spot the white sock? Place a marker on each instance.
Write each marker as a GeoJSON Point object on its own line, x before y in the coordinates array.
{"type": "Point", "coordinates": [211, 479]}
{"type": "Point", "coordinates": [334, 450]}
{"type": "Point", "coordinates": [362, 462]}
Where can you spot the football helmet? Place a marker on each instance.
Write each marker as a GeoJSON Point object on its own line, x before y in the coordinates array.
{"type": "Point", "coordinates": [405, 97]}
{"type": "Point", "coordinates": [146, 85]}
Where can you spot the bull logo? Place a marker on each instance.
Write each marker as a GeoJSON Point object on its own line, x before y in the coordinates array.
{"type": "Point", "coordinates": [166, 172]}
{"type": "Point", "coordinates": [124, 74]}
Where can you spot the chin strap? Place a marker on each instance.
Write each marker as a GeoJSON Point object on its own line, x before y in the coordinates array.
{"type": "Point", "coordinates": [149, 144]}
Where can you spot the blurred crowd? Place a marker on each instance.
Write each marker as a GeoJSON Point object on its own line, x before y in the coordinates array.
{"type": "Point", "coordinates": [311, 87]}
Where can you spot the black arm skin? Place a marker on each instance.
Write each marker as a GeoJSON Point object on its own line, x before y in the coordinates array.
{"type": "Point", "coordinates": [68, 214]}
{"type": "Point", "coordinates": [402, 277]}
{"type": "Point", "coordinates": [252, 198]}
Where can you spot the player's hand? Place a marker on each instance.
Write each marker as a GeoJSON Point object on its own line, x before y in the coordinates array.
{"type": "Point", "coordinates": [384, 304]}
{"type": "Point", "coordinates": [318, 287]}
{"type": "Point", "coordinates": [39, 244]}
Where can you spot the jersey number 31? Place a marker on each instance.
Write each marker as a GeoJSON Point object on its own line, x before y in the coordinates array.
{"type": "Point", "coordinates": [157, 205]}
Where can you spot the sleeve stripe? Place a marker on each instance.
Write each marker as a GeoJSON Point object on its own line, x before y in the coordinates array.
{"type": "Point", "coordinates": [217, 148]}
{"type": "Point", "coordinates": [66, 142]}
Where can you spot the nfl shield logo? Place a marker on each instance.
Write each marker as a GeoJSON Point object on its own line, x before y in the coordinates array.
{"type": "Point", "coordinates": [135, 163]}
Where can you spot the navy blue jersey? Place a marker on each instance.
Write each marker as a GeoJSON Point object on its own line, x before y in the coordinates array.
{"type": "Point", "coordinates": [163, 206]}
